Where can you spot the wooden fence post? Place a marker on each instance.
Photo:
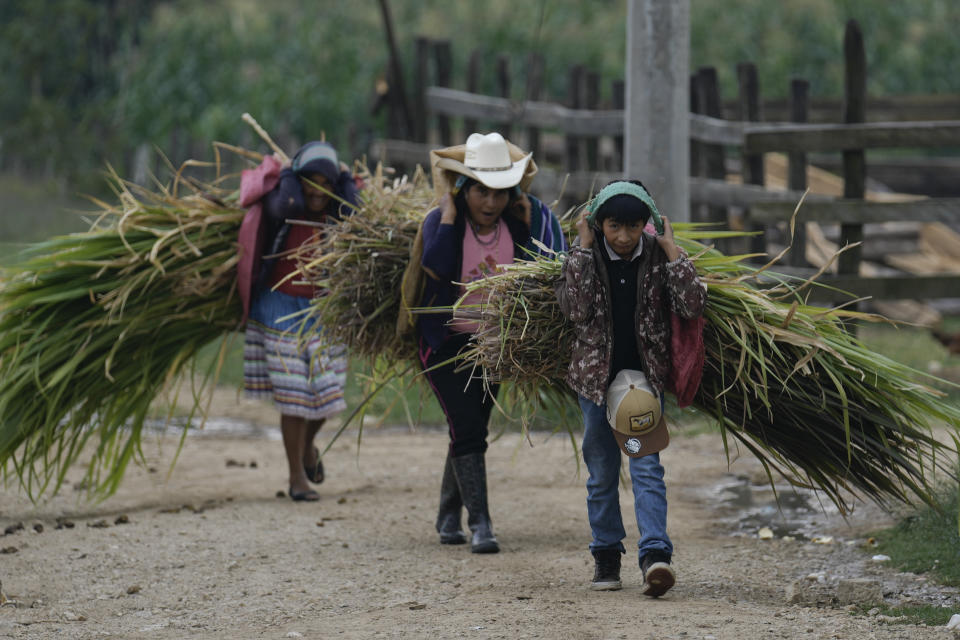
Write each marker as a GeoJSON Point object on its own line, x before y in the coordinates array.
{"type": "Point", "coordinates": [473, 85]}
{"type": "Point", "coordinates": [443, 58]}
{"type": "Point", "coordinates": [749, 100]}
{"type": "Point", "coordinates": [797, 169]}
{"type": "Point", "coordinates": [854, 160]}
{"type": "Point", "coordinates": [619, 97]}
{"type": "Point", "coordinates": [574, 94]}
{"type": "Point", "coordinates": [503, 86]}
{"type": "Point", "coordinates": [752, 164]}
{"type": "Point", "coordinates": [534, 90]}
{"type": "Point", "coordinates": [591, 91]}
{"type": "Point", "coordinates": [712, 163]}
{"type": "Point", "coordinates": [696, 210]}
{"type": "Point", "coordinates": [398, 116]}
{"type": "Point", "coordinates": [657, 118]}
{"type": "Point", "coordinates": [420, 83]}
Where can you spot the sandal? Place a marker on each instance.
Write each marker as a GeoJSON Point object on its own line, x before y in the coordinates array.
{"type": "Point", "coordinates": [315, 475]}
{"type": "Point", "coordinates": [304, 496]}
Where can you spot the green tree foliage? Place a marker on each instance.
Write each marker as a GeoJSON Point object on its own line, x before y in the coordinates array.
{"type": "Point", "coordinates": [300, 68]}
{"type": "Point", "coordinates": [910, 46]}
{"type": "Point", "coordinates": [87, 82]}
{"type": "Point", "coordinates": [59, 77]}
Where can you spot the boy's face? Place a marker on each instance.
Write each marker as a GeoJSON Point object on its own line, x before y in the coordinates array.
{"type": "Point", "coordinates": [622, 236]}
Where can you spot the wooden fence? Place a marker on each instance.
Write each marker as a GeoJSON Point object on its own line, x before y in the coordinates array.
{"type": "Point", "coordinates": [590, 143]}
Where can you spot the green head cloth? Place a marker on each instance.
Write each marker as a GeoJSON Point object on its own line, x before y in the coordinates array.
{"type": "Point", "coordinates": [625, 188]}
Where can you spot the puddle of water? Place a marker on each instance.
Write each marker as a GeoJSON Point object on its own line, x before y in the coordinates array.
{"type": "Point", "coordinates": [789, 511]}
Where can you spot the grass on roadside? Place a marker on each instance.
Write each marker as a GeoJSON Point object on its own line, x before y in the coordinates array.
{"type": "Point", "coordinates": [926, 541]}
{"type": "Point", "coordinates": [928, 614]}
{"type": "Point", "coordinates": [923, 542]}
{"type": "Point", "coordinates": [34, 210]}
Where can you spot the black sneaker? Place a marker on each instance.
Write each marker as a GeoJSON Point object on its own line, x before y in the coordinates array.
{"type": "Point", "coordinates": [606, 572]}
{"type": "Point", "coordinates": [658, 577]}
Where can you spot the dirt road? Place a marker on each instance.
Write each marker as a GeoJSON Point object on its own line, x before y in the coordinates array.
{"type": "Point", "coordinates": [214, 553]}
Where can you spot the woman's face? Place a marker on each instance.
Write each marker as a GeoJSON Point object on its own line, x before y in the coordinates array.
{"type": "Point", "coordinates": [485, 204]}
{"type": "Point", "coordinates": [314, 198]}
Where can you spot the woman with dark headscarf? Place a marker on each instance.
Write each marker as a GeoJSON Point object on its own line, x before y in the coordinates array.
{"type": "Point", "coordinates": [285, 358]}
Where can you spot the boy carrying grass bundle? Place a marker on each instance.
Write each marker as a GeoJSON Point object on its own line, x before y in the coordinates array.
{"type": "Point", "coordinates": [620, 286]}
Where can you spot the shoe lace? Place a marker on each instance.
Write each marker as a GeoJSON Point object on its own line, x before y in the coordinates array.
{"type": "Point", "coordinates": [607, 564]}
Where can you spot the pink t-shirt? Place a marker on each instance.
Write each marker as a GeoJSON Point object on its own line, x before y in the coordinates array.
{"type": "Point", "coordinates": [482, 255]}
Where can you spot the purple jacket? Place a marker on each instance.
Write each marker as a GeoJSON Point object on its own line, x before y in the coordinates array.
{"type": "Point", "coordinates": [442, 261]}
{"type": "Point", "coordinates": [272, 196]}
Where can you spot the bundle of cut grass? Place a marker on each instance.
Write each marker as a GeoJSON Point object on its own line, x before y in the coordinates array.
{"type": "Point", "coordinates": [518, 321]}
{"type": "Point", "coordinates": [359, 263]}
{"type": "Point", "coordinates": [783, 378]}
{"type": "Point", "coordinates": [94, 324]}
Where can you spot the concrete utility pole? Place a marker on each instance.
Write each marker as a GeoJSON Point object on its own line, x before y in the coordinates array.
{"type": "Point", "coordinates": [656, 118]}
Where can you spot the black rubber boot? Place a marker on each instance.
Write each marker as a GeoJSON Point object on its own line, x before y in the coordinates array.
{"type": "Point", "coordinates": [471, 474]}
{"type": "Point", "coordinates": [448, 516]}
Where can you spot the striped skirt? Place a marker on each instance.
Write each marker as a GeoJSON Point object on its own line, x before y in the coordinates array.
{"type": "Point", "coordinates": [287, 361]}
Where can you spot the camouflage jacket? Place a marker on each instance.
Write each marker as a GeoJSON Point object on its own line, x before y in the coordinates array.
{"type": "Point", "coordinates": [584, 295]}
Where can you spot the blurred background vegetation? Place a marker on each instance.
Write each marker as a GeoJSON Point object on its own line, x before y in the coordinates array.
{"type": "Point", "coordinates": [91, 82]}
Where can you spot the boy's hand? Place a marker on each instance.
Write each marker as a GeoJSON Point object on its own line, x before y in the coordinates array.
{"type": "Point", "coordinates": [584, 230]}
{"type": "Point", "coordinates": [666, 242]}
{"type": "Point", "coordinates": [448, 210]}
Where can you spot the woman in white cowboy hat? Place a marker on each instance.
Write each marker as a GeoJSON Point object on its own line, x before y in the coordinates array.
{"type": "Point", "coordinates": [485, 219]}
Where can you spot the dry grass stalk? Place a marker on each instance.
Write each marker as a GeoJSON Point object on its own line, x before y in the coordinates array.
{"type": "Point", "coordinates": [359, 261]}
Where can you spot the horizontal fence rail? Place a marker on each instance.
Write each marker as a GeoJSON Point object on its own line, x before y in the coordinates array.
{"type": "Point", "coordinates": [726, 194]}
{"type": "Point", "coordinates": [753, 137]}
{"type": "Point", "coordinates": [946, 210]}
{"type": "Point", "coordinates": [759, 138]}
{"type": "Point", "coordinates": [900, 287]}
{"type": "Point", "coordinates": [917, 108]}
{"type": "Point", "coordinates": [584, 122]}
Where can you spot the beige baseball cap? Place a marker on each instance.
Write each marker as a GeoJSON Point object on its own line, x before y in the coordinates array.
{"type": "Point", "coordinates": [635, 415]}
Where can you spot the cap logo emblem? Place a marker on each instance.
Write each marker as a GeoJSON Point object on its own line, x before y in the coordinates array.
{"type": "Point", "coordinates": [641, 423]}
{"type": "Point", "coordinates": [632, 445]}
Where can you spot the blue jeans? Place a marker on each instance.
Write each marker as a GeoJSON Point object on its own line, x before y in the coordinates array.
{"type": "Point", "coordinates": [602, 456]}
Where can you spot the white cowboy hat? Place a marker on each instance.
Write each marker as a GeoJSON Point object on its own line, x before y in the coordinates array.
{"type": "Point", "coordinates": [489, 159]}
